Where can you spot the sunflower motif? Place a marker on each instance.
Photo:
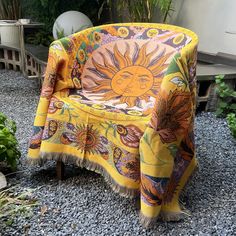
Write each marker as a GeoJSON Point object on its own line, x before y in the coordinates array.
{"type": "Point", "coordinates": [172, 116]}
{"type": "Point", "coordinates": [178, 39]}
{"type": "Point", "coordinates": [127, 78]}
{"type": "Point", "coordinates": [97, 37]}
{"type": "Point", "coordinates": [75, 74]}
{"type": "Point", "coordinates": [123, 32]}
{"type": "Point", "coordinates": [85, 138]}
{"type": "Point", "coordinates": [152, 33]}
{"type": "Point", "coordinates": [81, 55]}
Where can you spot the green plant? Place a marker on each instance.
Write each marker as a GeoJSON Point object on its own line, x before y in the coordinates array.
{"type": "Point", "coordinates": [9, 152]}
{"type": "Point", "coordinates": [60, 31]}
{"type": "Point", "coordinates": [40, 37]}
{"type": "Point", "coordinates": [231, 119]}
{"type": "Point", "coordinates": [46, 11]}
{"type": "Point", "coordinates": [226, 95]}
{"type": "Point", "coordinates": [12, 204]}
{"type": "Point", "coordinates": [10, 9]}
{"type": "Point", "coordinates": [166, 6]}
{"type": "Point", "coordinates": [140, 10]}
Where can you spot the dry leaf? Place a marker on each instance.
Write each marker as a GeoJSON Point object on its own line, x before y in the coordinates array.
{"type": "Point", "coordinates": [56, 210]}
{"type": "Point", "coordinates": [44, 209]}
{"type": "Point", "coordinates": [26, 229]}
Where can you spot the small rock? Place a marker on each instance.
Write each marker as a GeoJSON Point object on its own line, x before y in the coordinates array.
{"type": "Point", "coordinates": [3, 181]}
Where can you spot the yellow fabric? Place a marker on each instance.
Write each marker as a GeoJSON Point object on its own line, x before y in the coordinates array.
{"type": "Point", "coordinates": [120, 99]}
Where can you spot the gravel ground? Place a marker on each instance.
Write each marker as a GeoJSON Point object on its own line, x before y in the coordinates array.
{"type": "Point", "coordinates": [83, 204]}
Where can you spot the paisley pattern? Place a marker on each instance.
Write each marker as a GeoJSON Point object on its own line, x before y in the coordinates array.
{"type": "Point", "coordinates": [120, 99]}
{"type": "Point", "coordinates": [36, 138]}
{"type": "Point", "coordinates": [152, 189]}
{"type": "Point", "coordinates": [129, 135]}
{"type": "Point", "coordinates": [54, 105]}
{"type": "Point", "coordinates": [126, 163]}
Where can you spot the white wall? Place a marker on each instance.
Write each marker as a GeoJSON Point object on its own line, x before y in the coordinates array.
{"type": "Point", "coordinates": [210, 19]}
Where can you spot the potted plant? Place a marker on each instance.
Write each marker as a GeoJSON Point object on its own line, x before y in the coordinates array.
{"type": "Point", "coordinates": [9, 149]}
{"type": "Point", "coordinates": [138, 10]}
{"type": "Point", "coordinates": [10, 12]}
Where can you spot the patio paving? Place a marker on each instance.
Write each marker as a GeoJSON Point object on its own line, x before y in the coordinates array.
{"type": "Point", "coordinates": [84, 204]}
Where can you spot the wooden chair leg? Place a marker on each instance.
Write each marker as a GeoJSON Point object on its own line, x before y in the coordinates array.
{"type": "Point", "coordinates": [60, 168]}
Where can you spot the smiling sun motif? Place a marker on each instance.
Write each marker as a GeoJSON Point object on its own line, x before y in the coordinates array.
{"type": "Point", "coordinates": [130, 76]}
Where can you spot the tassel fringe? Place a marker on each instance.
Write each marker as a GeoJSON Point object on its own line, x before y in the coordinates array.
{"type": "Point", "coordinates": [174, 216]}
{"type": "Point", "coordinates": [83, 163]}
{"type": "Point", "coordinates": [147, 222]}
{"type": "Point", "coordinates": [166, 216]}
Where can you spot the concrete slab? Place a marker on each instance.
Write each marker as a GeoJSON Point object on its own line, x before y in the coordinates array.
{"type": "Point", "coordinates": [204, 70]}
{"type": "Point", "coordinates": [39, 51]}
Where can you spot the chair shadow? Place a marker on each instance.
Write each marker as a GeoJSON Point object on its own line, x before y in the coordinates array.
{"type": "Point", "coordinates": [192, 195]}
{"type": "Point", "coordinates": [47, 174]}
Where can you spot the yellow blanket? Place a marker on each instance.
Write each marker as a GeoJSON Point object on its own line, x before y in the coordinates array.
{"type": "Point", "coordinates": [120, 100]}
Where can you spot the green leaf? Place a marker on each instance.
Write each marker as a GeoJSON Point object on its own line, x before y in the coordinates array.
{"type": "Point", "coordinates": [233, 106]}
{"type": "Point", "coordinates": [2, 148]}
{"type": "Point", "coordinates": [223, 104]}
{"type": "Point", "coordinates": [219, 112]}
{"type": "Point", "coordinates": [8, 143]}
{"type": "Point", "coordinates": [222, 85]}
{"type": "Point", "coordinates": [220, 77]}
{"type": "Point", "coordinates": [231, 120]}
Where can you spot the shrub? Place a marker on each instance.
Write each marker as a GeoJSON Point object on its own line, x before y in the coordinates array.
{"type": "Point", "coordinates": [9, 151]}
{"type": "Point", "coordinates": [226, 95]}
{"type": "Point", "coordinates": [231, 119]}
{"type": "Point", "coordinates": [226, 105]}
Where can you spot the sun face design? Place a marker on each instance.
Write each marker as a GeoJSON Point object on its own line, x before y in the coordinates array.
{"type": "Point", "coordinates": [129, 74]}
{"type": "Point", "coordinates": [132, 81]}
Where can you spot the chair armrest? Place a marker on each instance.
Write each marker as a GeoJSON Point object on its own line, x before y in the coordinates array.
{"type": "Point", "coordinates": [55, 77]}
{"type": "Point", "coordinates": [168, 140]}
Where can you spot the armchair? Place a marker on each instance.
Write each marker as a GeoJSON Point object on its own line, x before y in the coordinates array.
{"type": "Point", "coordinates": [120, 100]}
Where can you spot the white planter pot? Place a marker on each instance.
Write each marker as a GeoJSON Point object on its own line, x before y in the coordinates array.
{"type": "Point", "coordinates": [9, 33]}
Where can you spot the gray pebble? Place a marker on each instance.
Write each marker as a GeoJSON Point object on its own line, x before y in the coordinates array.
{"type": "Point", "coordinates": [84, 204]}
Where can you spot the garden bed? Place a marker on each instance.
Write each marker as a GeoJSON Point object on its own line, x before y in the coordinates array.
{"type": "Point", "coordinates": [83, 204]}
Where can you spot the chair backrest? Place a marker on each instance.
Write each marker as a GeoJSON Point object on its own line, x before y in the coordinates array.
{"type": "Point", "coordinates": [125, 60]}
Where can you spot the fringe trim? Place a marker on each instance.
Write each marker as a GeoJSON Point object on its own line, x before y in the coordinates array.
{"type": "Point", "coordinates": [184, 213]}
{"type": "Point", "coordinates": [166, 216]}
{"type": "Point", "coordinates": [84, 163]}
{"type": "Point", "coordinates": [169, 216]}
{"type": "Point", "coordinates": [174, 216]}
{"type": "Point", "coordinates": [147, 222]}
